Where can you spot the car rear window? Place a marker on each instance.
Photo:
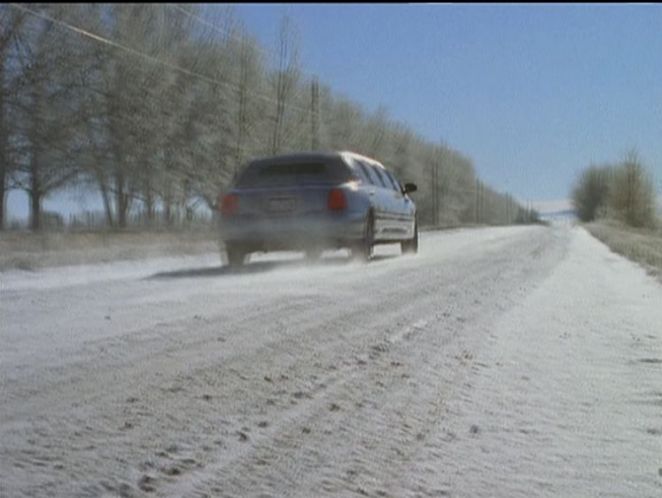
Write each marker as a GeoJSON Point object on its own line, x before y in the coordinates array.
{"type": "Point", "coordinates": [303, 169]}
{"type": "Point", "coordinates": [264, 174]}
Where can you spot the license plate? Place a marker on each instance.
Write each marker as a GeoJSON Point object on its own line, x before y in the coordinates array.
{"type": "Point", "coordinates": [282, 205]}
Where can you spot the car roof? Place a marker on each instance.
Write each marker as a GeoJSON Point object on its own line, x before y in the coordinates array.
{"type": "Point", "coordinates": [299, 157]}
{"type": "Point", "coordinates": [354, 155]}
{"type": "Point", "coordinates": [317, 156]}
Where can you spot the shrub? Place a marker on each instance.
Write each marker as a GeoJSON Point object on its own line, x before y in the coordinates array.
{"type": "Point", "coordinates": [589, 196]}
{"type": "Point", "coordinates": [631, 195]}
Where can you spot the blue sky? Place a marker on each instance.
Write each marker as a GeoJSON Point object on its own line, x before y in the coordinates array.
{"type": "Point", "coordinates": [531, 93]}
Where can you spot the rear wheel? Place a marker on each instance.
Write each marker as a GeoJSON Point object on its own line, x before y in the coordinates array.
{"type": "Point", "coordinates": [236, 254]}
{"type": "Point", "coordinates": [410, 246]}
{"type": "Point", "coordinates": [364, 249]}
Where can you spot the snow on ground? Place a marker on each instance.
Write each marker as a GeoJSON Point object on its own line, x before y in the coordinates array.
{"type": "Point", "coordinates": [75, 275]}
{"type": "Point", "coordinates": [519, 361]}
{"type": "Point", "coordinates": [565, 398]}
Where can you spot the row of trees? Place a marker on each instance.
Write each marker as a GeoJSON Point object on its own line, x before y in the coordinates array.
{"type": "Point", "coordinates": [623, 191]}
{"type": "Point", "coordinates": [155, 108]}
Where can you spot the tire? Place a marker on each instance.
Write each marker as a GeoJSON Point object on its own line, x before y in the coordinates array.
{"type": "Point", "coordinates": [364, 248]}
{"type": "Point", "coordinates": [236, 255]}
{"type": "Point", "coordinates": [410, 246]}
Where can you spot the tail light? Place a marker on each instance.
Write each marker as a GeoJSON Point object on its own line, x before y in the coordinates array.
{"type": "Point", "coordinates": [337, 200]}
{"type": "Point", "coordinates": [229, 205]}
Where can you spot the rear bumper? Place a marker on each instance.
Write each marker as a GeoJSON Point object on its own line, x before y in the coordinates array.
{"type": "Point", "coordinates": [326, 230]}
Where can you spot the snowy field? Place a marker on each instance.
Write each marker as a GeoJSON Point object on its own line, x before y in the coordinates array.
{"type": "Point", "coordinates": [519, 361]}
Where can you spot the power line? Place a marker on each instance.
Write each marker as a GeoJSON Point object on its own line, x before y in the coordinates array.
{"type": "Point", "coordinates": [313, 77]}
{"type": "Point", "coordinates": [155, 60]}
{"type": "Point", "coordinates": [145, 56]}
{"type": "Point", "coordinates": [224, 32]}
{"type": "Point", "coordinates": [232, 35]}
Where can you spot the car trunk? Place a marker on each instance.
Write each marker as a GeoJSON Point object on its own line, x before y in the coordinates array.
{"type": "Point", "coordinates": [279, 202]}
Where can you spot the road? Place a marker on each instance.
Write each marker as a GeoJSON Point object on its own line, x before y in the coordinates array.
{"type": "Point", "coordinates": [517, 361]}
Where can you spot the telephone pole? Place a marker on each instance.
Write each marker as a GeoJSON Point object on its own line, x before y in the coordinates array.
{"type": "Point", "coordinates": [314, 113]}
{"type": "Point", "coordinates": [435, 193]}
{"type": "Point", "coordinates": [477, 206]}
{"type": "Point", "coordinates": [481, 202]}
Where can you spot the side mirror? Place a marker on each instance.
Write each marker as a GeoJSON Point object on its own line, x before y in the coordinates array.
{"type": "Point", "coordinates": [410, 187]}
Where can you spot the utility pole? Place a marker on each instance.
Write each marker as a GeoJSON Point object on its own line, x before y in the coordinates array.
{"type": "Point", "coordinates": [242, 114]}
{"type": "Point", "coordinates": [481, 203]}
{"type": "Point", "coordinates": [314, 113]}
{"type": "Point", "coordinates": [477, 207]}
{"type": "Point", "coordinates": [435, 186]}
{"type": "Point", "coordinates": [528, 211]}
{"type": "Point", "coordinates": [439, 196]}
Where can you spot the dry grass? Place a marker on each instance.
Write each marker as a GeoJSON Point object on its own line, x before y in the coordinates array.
{"type": "Point", "coordinates": [29, 251]}
{"type": "Point", "coordinates": [640, 245]}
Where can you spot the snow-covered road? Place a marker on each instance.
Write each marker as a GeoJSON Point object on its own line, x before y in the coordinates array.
{"type": "Point", "coordinates": [520, 361]}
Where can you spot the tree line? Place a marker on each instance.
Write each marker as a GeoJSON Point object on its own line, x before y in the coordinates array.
{"type": "Point", "coordinates": [156, 108]}
{"type": "Point", "coordinates": [623, 191]}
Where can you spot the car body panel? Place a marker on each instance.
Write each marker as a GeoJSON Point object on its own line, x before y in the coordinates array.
{"type": "Point", "coordinates": [283, 203]}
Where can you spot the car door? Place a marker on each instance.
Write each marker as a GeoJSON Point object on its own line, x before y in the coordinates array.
{"type": "Point", "coordinates": [404, 207]}
{"type": "Point", "coordinates": [388, 215]}
{"type": "Point", "coordinates": [374, 191]}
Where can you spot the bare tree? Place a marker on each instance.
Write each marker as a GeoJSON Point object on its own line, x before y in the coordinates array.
{"type": "Point", "coordinates": [403, 138]}
{"type": "Point", "coordinates": [342, 121]}
{"type": "Point", "coordinates": [285, 80]}
{"type": "Point", "coordinates": [632, 195]}
{"type": "Point", "coordinates": [126, 130]}
{"type": "Point", "coordinates": [211, 127]}
{"type": "Point", "coordinates": [162, 108]}
{"type": "Point", "coordinates": [589, 196]}
{"type": "Point", "coordinates": [250, 81]}
{"type": "Point", "coordinates": [11, 22]}
{"type": "Point", "coordinates": [624, 192]}
{"type": "Point", "coordinates": [375, 132]}
{"type": "Point", "coordinates": [45, 103]}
